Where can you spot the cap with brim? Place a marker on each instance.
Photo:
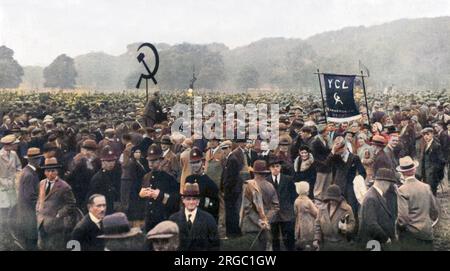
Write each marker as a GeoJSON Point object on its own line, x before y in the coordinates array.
{"type": "Point", "coordinates": [384, 174]}
{"type": "Point", "coordinates": [9, 139]}
{"type": "Point", "coordinates": [427, 130]}
{"type": "Point", "coordinates": [165, 229]}
{"type": "Point", "coordinates": [333, 193]}
{"type": "Point", "coordinates": [260, 167]}
{"type": "Point", "coordinates": [33, 153]}
{"type": "Point", "coordinates": [116, 226]}
{"type": "Point", "coordinates": [133, 231]}
{"type": "Point", "coordinates": [51, 163]}
{"type": "Point", "coordinates": [407, 164]}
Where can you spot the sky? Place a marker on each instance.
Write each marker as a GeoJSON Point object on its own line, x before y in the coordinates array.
{"type": "Point", "coordinates": [38, 32]}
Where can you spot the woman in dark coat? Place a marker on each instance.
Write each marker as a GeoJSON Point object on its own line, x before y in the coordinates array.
{"type": "Point", "coordinates": [305, 169]}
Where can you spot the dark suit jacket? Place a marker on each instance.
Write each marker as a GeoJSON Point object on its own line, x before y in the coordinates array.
{"type": "Point", "coordinates": [203, 234]}
{"type": "Point", "coordinates": [232, 181]}
{"type": "Point", "coordinates": [59, 202]}
{"type": "Point", "coordinates": [28, 192]}
{"type": "Point", "coordinates": [377, 220]}
{"type": "Point", "coordinates": [434, 170]}
{"type": "Point", "coordinates": [86, 232]}
{"type": "Point", "coordinates": [286, 195]}
{"type": "Point", "coordinates": [320, 153]}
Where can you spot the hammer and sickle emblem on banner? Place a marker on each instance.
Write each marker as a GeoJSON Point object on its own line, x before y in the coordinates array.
{"type": "Point", "coordinates": [140, 58]}
{"type": "Point", "coordinates": [337, 99]}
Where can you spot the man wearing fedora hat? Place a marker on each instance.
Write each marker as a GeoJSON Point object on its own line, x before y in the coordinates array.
{"type": "Point", "coordinates": [28, 191]}
{"type": "Point", "coordinates": [335, 222]}
{"type": "Point", "coordinates": [54, 209]}
{"type": "Point", "coordinates": [118, 235]}
{"type": "Point", "coordinates": [209, 191]}
{"type": "Point", "coordinates": [10, 166]}
{"type": "Point", "coordinates": [159, 189]}
{"type": "Point", "coordinates": [164, 236]}
{"type": "Point", "coordinates": [417, 209]}
{"type": "Point", "coordinates": [198, 229]}
{"type": "Point", "coordinates": [259, 208]}
{"type": "Point", "coordinates": [377, 217]}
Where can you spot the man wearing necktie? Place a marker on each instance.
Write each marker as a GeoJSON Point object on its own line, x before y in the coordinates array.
{"type": "Point", "coordinates": [54, 209]}
{"type": "Point", "coordinates": [283, 222]}
{"type": "Point", "coordinates": [198, 229]}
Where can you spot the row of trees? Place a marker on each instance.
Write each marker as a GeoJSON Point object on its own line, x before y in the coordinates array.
{"type": "Point", "coordinates": [60, 73]}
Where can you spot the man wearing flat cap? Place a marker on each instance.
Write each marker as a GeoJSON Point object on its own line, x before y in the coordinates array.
{"type": "Point", "coordinates": [198, 229]}
{"type": "Point", "coordinates": [431, 159]}
{"type": "Point", "coordinates": [164, 236]}
{"type": "Point", "coordinates": [10, 166]}
{"type": "Point", "coordinates": [159, 189]}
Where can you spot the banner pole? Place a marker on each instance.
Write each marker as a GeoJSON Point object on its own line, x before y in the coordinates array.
{"type": "Point", "coordinates": [321, 94]}
{"type": "Point", "coordinates": [365, 97]}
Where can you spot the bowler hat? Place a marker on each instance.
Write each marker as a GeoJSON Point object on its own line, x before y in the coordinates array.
{"type": "Point", "coordinates": [385, 174]}
{"type": "Point", "coordinates": [116, 226]}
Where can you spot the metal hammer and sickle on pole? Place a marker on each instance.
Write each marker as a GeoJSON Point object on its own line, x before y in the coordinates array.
{"type": "Point", "coordinates": [140, 58]}
{"type": "Point", "coordinates": [337, 99]}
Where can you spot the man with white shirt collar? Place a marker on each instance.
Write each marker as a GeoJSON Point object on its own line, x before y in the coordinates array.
{"type": "Point", "coordinates": [431, 160]}
{"type": "Point", "coordinates": [417, 209]}
{"type": "Point", "coordinates": [28, 192]}
{"type": "Point", "coordinates": [283, 222]}
{"type": "Point", "coordinates": [55, 205]}
{"type": "Point", "coordinates": [377, 217]}
{"type": "Point", "coordinates": [91, 226]}
{"type": "Point", "coordinates": [198, 229]}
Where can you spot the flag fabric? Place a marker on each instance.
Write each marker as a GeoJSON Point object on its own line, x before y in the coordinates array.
{"type": "Point", "coordinates": [340, 100]}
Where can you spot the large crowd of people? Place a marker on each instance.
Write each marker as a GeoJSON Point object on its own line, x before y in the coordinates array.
{"type": "Point", "coordinates": [107, 171]}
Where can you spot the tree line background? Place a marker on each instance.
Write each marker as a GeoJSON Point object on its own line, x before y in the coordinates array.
{"type": "Point", "coordinates": [405, 53]}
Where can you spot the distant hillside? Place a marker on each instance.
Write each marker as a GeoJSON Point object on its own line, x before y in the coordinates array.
{"type": "Point", "coordinates": [408, 53]}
